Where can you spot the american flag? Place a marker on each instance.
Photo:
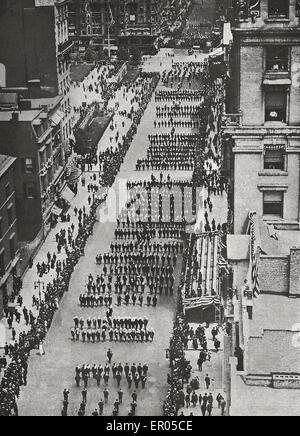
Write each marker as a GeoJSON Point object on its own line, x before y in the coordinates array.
{"type": "Point", "coordinates": [255, 275]}
{"type": "Point", "coordinates": [192, 303]}
{"type": "Point", "coordinates": [223, 264]}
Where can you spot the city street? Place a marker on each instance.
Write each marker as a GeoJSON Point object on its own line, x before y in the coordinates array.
{"type": "Point", "coordinates": [50, 374]}
{"type": "Point", "coordinates": [149, 210]}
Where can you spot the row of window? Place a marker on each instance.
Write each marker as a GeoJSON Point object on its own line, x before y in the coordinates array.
{"type": "Point", "coordinates": [273, 204]}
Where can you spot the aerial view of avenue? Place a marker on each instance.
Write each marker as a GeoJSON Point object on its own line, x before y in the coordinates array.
{"type": "Point", "coordinates": [149, 208]}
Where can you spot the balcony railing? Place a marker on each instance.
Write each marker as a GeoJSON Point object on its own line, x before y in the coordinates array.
{"type": "Point", "coordinates": [232, 119]}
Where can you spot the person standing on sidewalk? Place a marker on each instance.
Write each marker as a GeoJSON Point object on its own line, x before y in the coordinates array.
{"type": "Point", "coordinates": [207, 381]}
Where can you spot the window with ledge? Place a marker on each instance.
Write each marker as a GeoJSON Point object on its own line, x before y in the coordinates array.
{"type": "Point", "coordinates": [29, 190]}
{"type": "Point", "coordinates": [274, 158]}
{"type": "Point", "coordinates": [279, 9]}
{"type": "Point", "coordinates": [28, 165]}
{"type": "Point", "coordinates": [277, 58]}
{"type": "Point", "coordinates": [273, 204]}
{"type": "Point", "coordinates": [276, 106]}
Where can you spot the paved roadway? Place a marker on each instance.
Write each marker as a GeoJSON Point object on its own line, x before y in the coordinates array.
{"type": "Point", "coordinates": [50, 374]}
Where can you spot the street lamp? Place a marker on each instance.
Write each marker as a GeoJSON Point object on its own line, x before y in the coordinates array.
{"type": "Point", "coordinates": [40, 286]}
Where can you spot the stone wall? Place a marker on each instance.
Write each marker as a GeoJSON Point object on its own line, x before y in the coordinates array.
{"type": "Point", "coordinates": [273, 352]}
{"type": "Point", "coordinates": [274, 274]}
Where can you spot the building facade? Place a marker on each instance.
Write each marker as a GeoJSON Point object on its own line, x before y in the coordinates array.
{"type": "Point", "coordinates": [8, 228]}
{"type": "Point", "coordinates": [34, 52]}
{"type": "Point", "coordinates": [263, 124]}
{"type": "Point", "coordinates": [114, 23]}
{"type": "Point", "coordinates": [262, 155]}
{"type": "Point", "coordinates": [34, 137]}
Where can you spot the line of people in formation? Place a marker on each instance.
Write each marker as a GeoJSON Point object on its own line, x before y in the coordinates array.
{"type": "Point", "coordinates": [133, 373]}
{"type": "Point", "coordinates": [91, 300]}
{"type": "Point", "coordinates": [178, 110]}
{"type": "Point", "coordinates": [136, 278]}
{"type": "Point", "coordinates": [135, 261]}
{"type": "Point", "coordinates": [136, 375]}
{"type": "Point", "coordinates": [131, 264]}
{"type": "Point", "coordinates": [170, 139]}
{"type": "Point", "coordinates": [178, 95]}
{"type": "Point", "coordinates": [184, 71]}
{"type": "Point", "coordinates": [177, 123]}
{"type": "Point", "coordinates": [155, 247]}
{"type": "Point", "coordinates": [142, 234]}
{"type": "Point", "coordinates": [166, 228]}
{"type": "Point", "coordinates": [171, 164]}
{"type": "Point", "coordinates": [98, 322]}
{"type": "Point", "coordinates": [112, 334]}
{"type": "Point", "coordinates": [161, 182]}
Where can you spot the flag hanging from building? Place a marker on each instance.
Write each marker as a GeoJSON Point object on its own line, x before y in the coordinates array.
{"type": "Point", "coordinates": [194, 303]}
{"type": "Point", "coordinates": [255, 275]}
{"type": "Point", "coordinates": [223, 264]}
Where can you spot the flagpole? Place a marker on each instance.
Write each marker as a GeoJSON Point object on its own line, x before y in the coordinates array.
{"type": "Point", "coordinates": [109, 50]}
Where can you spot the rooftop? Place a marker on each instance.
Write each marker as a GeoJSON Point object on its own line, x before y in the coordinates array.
{"type": "Point", "coordinates": [24, 116]}
{"type": "Point", "coordinates": [274, 312]}
{"type": "Point", "coordinates": [38, 103]}
{"type": "Point", "coordinates": [238, 247]}
{"type": "Point", "coordinates": [8, 99]}
{"type": "Point", "coordinates": [277, 242]}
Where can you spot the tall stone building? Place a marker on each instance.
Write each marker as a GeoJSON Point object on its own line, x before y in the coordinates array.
{"type": "Point", "coordinates": [33, 137]}
{"type": "Point", "coordinates": [262, 142]}
{"type": "Point", "coordinates": [35, 113]}
{"type": "Point", "coordinates": [34, 51]}
{"type": "Point", "coordinates": [263, 128]}
{"type": "Point", "coordinates": [9, 256]}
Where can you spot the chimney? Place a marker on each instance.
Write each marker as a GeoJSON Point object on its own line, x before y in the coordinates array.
{"type": "Point", "coordinates": [295, 272]}
{"type": "Point", "coordinates": [34, 88]}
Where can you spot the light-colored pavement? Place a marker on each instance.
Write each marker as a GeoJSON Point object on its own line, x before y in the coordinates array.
{"type": "Point", "coordinates": [50, 374]}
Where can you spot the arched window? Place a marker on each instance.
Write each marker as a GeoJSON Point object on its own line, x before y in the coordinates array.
{"type": "Point", "coordinates": [2, 76]}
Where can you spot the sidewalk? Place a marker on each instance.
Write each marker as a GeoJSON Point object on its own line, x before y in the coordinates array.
{"type": "Point", "coordinates": [214, 370]}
